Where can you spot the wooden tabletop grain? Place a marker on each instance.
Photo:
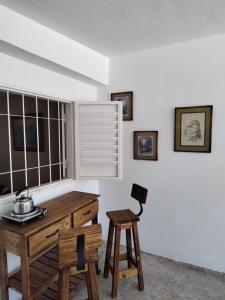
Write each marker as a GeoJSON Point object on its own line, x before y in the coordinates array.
{"type": "Point", "coordinates": [58, 208]}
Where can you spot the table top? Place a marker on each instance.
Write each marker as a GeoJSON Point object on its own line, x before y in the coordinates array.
{"type": "Point", "coordinates": [58, 208]}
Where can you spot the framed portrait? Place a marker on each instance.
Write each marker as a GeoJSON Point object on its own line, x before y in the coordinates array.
{"type": "Point", "coordinates": [31, 134]}
{"type": "Point", "coordinates": [146, 145]}
{"type": "Point", "coordinates": [127, 99]}
{"type": "Point", "coordinates": [193, 129]}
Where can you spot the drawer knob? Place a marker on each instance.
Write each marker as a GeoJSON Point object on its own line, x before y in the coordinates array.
{"type": "Point", "coordinates": [87, 213]}
{"type": "Point", "coordinates": [52, 234]}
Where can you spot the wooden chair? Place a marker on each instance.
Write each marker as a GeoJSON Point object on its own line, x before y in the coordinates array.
{"type": "Point", "coordinates": [125, 219]}
{"type": "Point", "coordinates": [78, 253]}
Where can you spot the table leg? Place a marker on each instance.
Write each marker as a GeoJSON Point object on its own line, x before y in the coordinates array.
{"type": "Point", "coordinates": [95, 221]}
{"type": "Point", "coordinates": [4, 270]}
{"type": "Point", "coordinates": [25, 271]}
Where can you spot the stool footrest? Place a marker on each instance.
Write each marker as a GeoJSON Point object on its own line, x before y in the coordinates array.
{"type": "Point", "coordinates": [133, 261]}
{"type": "Point", "coordinates": [128, 273]}
{"type": "Point", "coordinates": [123, 256]}
{"type": "Point", "coordinates": [110, 267]}
{"type": "Point", "coordinates": [126, 257]}
{"type": "Point", "coordinates": [124, 273]}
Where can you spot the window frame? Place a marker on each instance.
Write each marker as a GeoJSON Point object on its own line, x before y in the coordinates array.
{"type": "Point", "coordinates": [63, 162]}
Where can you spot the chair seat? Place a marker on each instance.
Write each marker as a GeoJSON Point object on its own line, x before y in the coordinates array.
{"type": "Point", "coordinates": [122, 216]}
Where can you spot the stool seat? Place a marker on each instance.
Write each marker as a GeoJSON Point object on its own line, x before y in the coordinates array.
{"type": "Point", "coordinates": [120, 217]}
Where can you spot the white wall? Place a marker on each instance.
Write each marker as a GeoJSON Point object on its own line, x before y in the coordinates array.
{"type": "Point", "coordinates": [36, 39]}
{"type": "Point", "coordinates": [22, 75]}
{"type": "Point", "coordinates": [184, 215]}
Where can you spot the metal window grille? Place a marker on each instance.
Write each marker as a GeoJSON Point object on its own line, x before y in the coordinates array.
{"type": "Point", "coordinates": [60, 120]}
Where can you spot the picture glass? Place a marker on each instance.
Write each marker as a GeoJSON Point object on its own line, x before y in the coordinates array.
{"type": "Point", "coordinates": [145, 145]}
{"type": "Point", "coordinates": [192, 129]}
{"type": "Point", "coordinates": [125, 100]}
{"type": "Point", "coordinates": [31, 133]}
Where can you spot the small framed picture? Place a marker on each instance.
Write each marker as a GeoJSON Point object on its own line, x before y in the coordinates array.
{"type": "Point", "coordinates": [127, 99]}
{"type": "Point", "coordinates": [146, 145]}
{"type": "Point", "coordinates": [193, 129]}
{"type": "Point", "coordinates": [31, 134]}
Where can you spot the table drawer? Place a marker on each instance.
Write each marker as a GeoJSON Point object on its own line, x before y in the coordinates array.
{"type": "Point", "coordinates": [85, 214]}
{"type": "Point", "coordinates": [46, 237]}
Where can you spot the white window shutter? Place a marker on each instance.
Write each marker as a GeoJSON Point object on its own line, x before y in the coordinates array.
{"type": "Point", "coordinates": [98, 140]}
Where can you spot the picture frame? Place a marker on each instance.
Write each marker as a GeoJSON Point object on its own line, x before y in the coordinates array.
{"type": "Point", "coordinates": [127, 99]}
{"type": "Point", "coordinates": [31, 134]}
{"type": "Point", "coordinates": [146, 145]}
{"type": "Point", "coordinates": [193, 129]}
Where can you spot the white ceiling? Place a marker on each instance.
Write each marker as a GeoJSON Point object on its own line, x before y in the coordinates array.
{"type": "Point", "coordinates": [119, 27]}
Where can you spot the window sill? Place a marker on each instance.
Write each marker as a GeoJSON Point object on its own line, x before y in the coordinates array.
{"type": "Point", "coordinates": [6, 199]}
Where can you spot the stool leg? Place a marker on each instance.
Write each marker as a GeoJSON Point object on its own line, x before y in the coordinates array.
{"type": "Point", "coordinates": [116, 261]}
{"type": "Point", "coordinates": [138, 256]}
{"type": "Point", "coordinates": [108, 250]}
{"type": "Point", "coordinates": [63, 293]}
{"type": "Point", "coordinates": [129, 247]}
{"type": "Point", "coordinates": [92, 285]}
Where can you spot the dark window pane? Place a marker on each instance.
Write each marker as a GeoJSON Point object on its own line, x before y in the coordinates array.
{"type": "Point", "coordinates": [30, 106]}
{"type": "Point", "coordinates": [15, 104]}
{"type": "Point", "coordinates": [5, 186]}
{"type": "Point", "coordinates": [3, 102]}
{"type": "Point", "coordinates": [43, 140]}
{"type": "Point", "coordinates": [43, 108]}
{"type": "Point", "coordinates": [18, 180]}
{"type": "Point", "coordinates": [65, 172]}
{"type": "Point", "coordinates": [54, 134]}
{"type": "Point", "coordinates": [31, 142]}
{"type": "Point", "coordinates": [4, 148]}
{"type": "Point", "coordinates": [17, 143]}
{"type": "Point", "coordinates": [45, 175]}
{"type": "Point", "coordinates": [32, 176]}
{"type": "Point", "coordinates": [62, 130]}
{"type": "Point", "coordinates": [60, 110]}
{"type": "Point", "coordinates": [53, 109]}
{"type": "Point", "coordinates": [61, 141]}
{"type": "Point", "coordinates": [55, 172]}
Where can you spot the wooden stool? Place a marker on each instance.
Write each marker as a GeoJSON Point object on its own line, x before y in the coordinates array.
{"type": "Point", "coordinates": [123, 219]}
{"type": "Point", "coordinates": [78, 252]}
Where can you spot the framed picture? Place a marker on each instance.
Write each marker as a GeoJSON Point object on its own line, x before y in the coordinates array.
{"type": "Point", "coordinates": [146, 145]}
{"type": "Point", "coordinates": [193, 129]}
{"type": "Point", "coordinates": [31, 134]}
{"type": "Point", "coordinates": [127, 99]}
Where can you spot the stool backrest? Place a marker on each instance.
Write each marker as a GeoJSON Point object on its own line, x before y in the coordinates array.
{"type": "Point", "coordinates": [78, 244]}
{"type": "Point", "coordinates": [139, 193]}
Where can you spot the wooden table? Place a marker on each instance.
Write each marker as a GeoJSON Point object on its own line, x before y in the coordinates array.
{"type": "Point", "coordinates": [35, 241]}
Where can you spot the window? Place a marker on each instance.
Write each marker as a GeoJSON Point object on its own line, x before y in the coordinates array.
{"type": "Point", "coordinates": [34, 148]}
{"type": "Point", "coordinates": [37, 136]}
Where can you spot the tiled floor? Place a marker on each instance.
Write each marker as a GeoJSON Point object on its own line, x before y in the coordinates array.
{"type": "Point", "coordinates": [164, 280]}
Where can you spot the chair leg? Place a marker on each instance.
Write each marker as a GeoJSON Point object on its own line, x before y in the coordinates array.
{"type": "Point", "coordinates": [116, 261]}
{"type": "Point", "coordinates": [108, 250]}
{"type": "Point", "coordinates": [129, 248]}
{"type": "Point", "coordinates": [138, 256]}
{"type": "Point", "coordinates": [92, 285]}
{"type": "Point", "coordinates": [63, 293]}
{"type": "Point", "coordinates": [98, 270]}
